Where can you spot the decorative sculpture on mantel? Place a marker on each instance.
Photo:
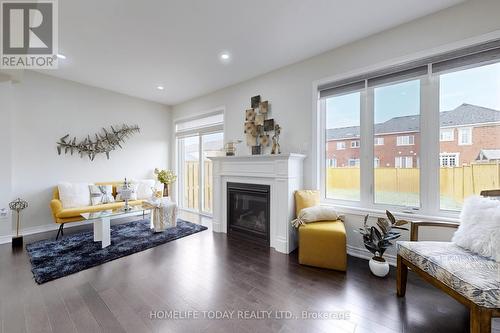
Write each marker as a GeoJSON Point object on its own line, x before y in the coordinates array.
{"type": "Point", "coordinates": [103, 143]}
{"type": "Point", "coordinates": [276, 140]}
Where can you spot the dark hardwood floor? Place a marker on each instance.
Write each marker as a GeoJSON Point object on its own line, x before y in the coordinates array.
{"type": "Point", "coordinates": [208, 271]}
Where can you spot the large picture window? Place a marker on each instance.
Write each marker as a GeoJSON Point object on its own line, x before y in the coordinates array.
{"type": "Point", "coordinates": [342, 125]}
{"type": "Point", "coordinates": [397, 115]}
{"type": "Point", "coordinates": [420, 136]}
{"type": "Point", "coordinates": [469, 100]}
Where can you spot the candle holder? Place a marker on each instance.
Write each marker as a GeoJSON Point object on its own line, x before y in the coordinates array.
{"type": "Point", "coordinates": [126, 194]}
{"type": "Point", "coordinates": [18, 205]}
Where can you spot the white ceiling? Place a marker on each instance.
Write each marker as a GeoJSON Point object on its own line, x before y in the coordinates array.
{"type": "Point", "coordinates": [132, 46]}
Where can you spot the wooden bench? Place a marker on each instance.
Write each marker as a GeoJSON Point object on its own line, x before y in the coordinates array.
{"type": "Point", "coordinates": [477, 287]}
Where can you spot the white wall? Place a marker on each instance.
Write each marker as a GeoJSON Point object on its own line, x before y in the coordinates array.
{"type": "Point", "coordinates": [45, 108]}
{"type": "Point", "coordinates": [5, 152]}
{"type": "Point", "coordinates": [290, 92]}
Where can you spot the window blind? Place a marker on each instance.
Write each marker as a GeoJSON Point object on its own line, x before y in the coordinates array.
{"type": "Point", "coordinates": [212, 122]}
{"type": "Point", "coordinates": [475, 54]}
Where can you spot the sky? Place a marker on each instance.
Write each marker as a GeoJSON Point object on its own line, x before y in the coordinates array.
{"type": "Point", "coordinates": [478, 86]}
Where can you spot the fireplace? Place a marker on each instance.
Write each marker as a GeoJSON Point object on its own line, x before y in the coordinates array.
{"type": "Point", "coordinates": [248, 211]}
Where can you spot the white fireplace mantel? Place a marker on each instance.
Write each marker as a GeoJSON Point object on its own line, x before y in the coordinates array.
{"type": "Point", "coordinates": [283, 173]}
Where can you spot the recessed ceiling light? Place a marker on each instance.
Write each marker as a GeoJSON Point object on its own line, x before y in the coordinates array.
{"type": "Point", "coordinates": [160, 87]}
{"type": "Point", "coordinates": [61, 56]}
{"type": "Point", "coordinates": [225, 56]}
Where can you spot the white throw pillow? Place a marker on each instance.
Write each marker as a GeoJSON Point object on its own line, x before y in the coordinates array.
{"type": "Point", "coordinates": [144, 188]}
{"type": "Point", "coordinates": [133, 196]}
{"type": "Point", "coordinates": [101, 194]}
{"type": "Point", "coordinates": [479, 229]}
{"type": "Point", "coordinates": [315, 214]}
{"type": "Point", "coordinates": [74, 195]}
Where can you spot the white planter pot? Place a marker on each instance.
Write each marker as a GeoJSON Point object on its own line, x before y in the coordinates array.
{"type": "Point", "coordinates": [379, 268]}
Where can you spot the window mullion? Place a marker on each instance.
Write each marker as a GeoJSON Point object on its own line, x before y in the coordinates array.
{"type": "Point", "coordinates": [429, 138]}
{"type": "Point", "coordinates": [366, 149]}
{"type": "Point", "coordinates": [323, 146]}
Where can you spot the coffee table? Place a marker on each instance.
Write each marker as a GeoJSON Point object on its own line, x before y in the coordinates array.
{"type": "Point", "coordinates": [102, 221]}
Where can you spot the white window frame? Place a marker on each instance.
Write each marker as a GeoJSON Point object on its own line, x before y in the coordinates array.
{"type": "Point", "coordinates": [461, 131]}
{"type": "Point", "coordinates": [447, 156]}
{"type": "Point", "coordinates": [429, 138]}
{"type": "Point", "coordinates": [447, 135]}
{"type": "Point", "coordinates": [355, 144]}
{"type": "Point", "coordinates": [204, 130]}
{"type": "Point", "coordinates": [405, 140]}
{"type": "Point", "coordinates": [340, 145]}
{"type": "Point", "coordinates": [379, 141]}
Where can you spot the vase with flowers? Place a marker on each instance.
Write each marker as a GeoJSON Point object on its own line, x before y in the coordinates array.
{"type": "Point", "coordinates": [166, 177]}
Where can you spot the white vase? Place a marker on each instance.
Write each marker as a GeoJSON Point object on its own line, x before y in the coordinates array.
{"type": "Point", "coordinates": [379, 266]}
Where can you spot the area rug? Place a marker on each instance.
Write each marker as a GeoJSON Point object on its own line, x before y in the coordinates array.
{"type": "Point", "coordinates": [51, 259]}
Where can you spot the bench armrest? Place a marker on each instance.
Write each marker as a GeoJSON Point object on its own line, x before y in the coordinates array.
{"type": "Point", "coordinates": [414, 225]}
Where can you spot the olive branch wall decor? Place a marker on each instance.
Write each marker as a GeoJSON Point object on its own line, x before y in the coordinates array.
{"type": "Point", "coordinates": [104, 143]}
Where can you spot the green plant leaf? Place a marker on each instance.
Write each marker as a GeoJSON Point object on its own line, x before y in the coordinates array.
{"type": "Point", "coordinates": [375, 235]}
{"type": "Point", "coordinates": [401, 222]}
{"type": "Point", "coordinates": [400, 228]}
{"type": "Point", "coordinates": [390, 217]}
{"type": "Point", "coordinates": [384, 225]}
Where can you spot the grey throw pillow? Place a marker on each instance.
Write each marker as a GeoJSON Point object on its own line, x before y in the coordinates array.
{"type": "Point", "coordinates": [101, 194]}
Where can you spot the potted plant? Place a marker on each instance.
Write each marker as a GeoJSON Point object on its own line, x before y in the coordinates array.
{"type": "Point", "coordinates": [377, 240]}
{"type": "Point", "coordinates": [166, 177]}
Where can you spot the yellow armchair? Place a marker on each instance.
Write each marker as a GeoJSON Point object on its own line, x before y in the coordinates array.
{"type": "Point", "coordinates": [321, 244]}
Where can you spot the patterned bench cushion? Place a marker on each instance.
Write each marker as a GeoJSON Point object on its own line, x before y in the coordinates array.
{"type": "Point", "coordinates": [475, 277]}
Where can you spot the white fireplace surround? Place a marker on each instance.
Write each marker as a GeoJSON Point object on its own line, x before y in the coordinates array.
{"type": "Point", "coordinates": [283, 173]}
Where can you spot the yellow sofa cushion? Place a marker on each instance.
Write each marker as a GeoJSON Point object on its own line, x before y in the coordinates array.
{"type": "Point", "coordinates": [323, 244]}
{"type": "Point", "coordinates": [75, 212]}
{"type": "Point", "coordinates": [306, 199]}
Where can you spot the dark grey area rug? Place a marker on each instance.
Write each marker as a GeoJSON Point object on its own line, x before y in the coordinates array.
{"type": "Point", "coordinates": [51, 259]}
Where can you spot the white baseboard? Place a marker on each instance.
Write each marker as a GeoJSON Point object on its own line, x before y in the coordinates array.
{"type": "Point", "coordinates": [40, 229]}
{"type": "Point", "coordinates": [5, 239]}
{"type": "Point", "coordinates": [44, 228]}
{"type": "Point", "coordinates": [365, 254]}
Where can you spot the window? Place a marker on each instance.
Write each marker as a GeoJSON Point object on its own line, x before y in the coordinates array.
{"type": "Point", "coordinates": [353, 162]}
{"type": "Point", "coordinates": [404, 162]}
{"type": "Point", "coordinates": [469, 99]}
{"type": "Point", "coordinates": [189, 174]}
{"type": "Point", "coordinates": [465, 136]}
{"type": "Point", "coordinates": [342, 117]}
{"type": "Point", "coordinates": [355, 144]}
{"type": "Point", "coordinates": [397, 109]}
{"type": "Point", "coordinates": [447, 134]}
{"type": "Point", "coordinates": [332, 162]}
{"type": "Point", "coordinates": [453, 95]}
{"type": "Point", "coordinates": [406, 140]}
{"type": "Point", "coordinates": [197, 140]}
{"type": "Point", "coordinates": [211, 146]}
{"type": "Point", "coordinates": [448, 160]}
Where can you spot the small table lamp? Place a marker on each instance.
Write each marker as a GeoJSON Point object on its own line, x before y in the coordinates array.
{"type": "Point", "coordinates": [18, 205]}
